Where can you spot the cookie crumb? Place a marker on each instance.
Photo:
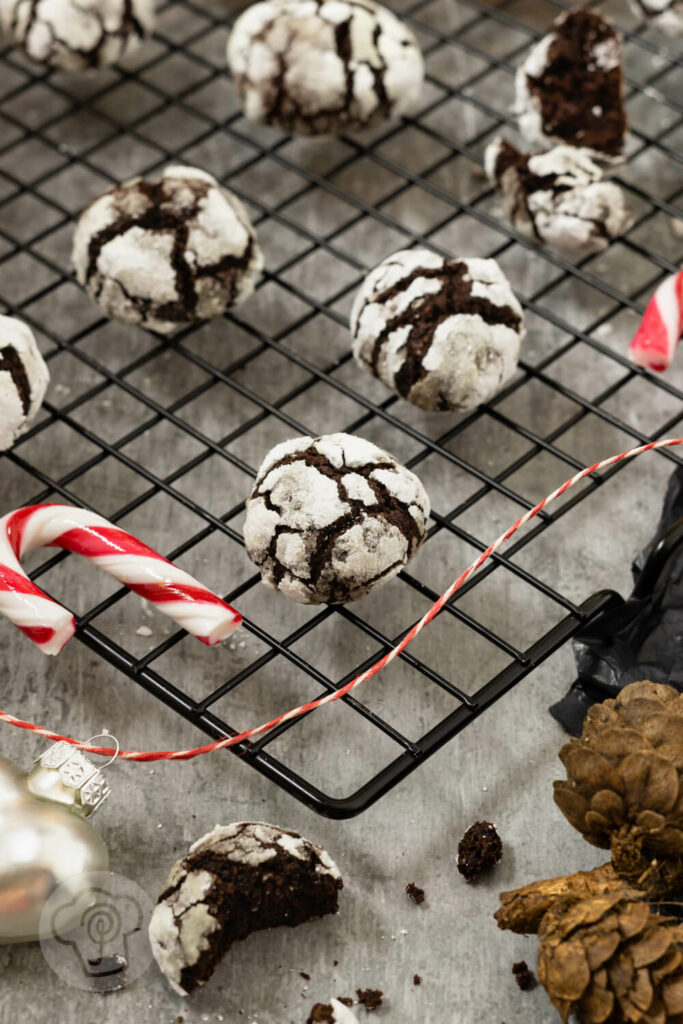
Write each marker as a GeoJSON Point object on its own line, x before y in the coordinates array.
{"type": "Point", "coordinates": [416, 894]}
{"type": "Point", "coordinates": [523, 976]}
{"type": "Point", "coordinates": [345, 1000]}
{"type": "Point", "coordinates": [479, 850]}
{"type": "Point", "coordinates": [370, 998]}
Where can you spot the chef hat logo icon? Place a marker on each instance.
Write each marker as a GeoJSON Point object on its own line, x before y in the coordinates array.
{"type": "Point", "coordinates": [94, 931]}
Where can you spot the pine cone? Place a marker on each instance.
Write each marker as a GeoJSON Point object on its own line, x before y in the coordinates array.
{"type": "Point", "coordinates": [522, 910]}
{"type": "Point", "coordinates": [624, 788]}
{"type": "Point", "coordinates": [613, 961]}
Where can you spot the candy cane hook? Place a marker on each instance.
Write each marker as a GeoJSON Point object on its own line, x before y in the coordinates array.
{"type": "Point", "coordinates": [150, 575]}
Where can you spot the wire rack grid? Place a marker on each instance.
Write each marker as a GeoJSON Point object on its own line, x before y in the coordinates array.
{"type": "Point", "coordinates": [171, 432]}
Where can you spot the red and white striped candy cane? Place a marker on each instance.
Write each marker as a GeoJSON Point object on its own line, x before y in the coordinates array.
{"type": "Point", "coordinates": [386, 659]}
{"type": "Point", "coordinates": [140, 568]}
{"type": "Point", "coordinates": [662, 325]}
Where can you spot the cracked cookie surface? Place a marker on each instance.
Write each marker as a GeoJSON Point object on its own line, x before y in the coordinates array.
{"type": "Point", "coordinates": [167, 251]}
{"type": "Point", "coordinates": [24, 378]}
{"type": "Point", "coordinates": [570, 88]}
{"type": "Point", "coordinates": [332, 517]}
{"type": "Point", "coordinates": [443, 334]}
{"type": "Point", "coordinates": [235, 880]}
{"type": "Point", "coordinates": [324, 66]}
{"type": "Point", "coordinates": [558, 198]}
{"type": "Point", "coordinates": [75, 35]}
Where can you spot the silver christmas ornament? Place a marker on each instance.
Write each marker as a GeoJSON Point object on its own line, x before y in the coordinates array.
{"type": "Point", "coordinates": [45, 840]}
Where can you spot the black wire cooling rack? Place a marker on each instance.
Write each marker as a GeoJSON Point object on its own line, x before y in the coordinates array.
{"type": "Point", "coordinates": [183, 424]}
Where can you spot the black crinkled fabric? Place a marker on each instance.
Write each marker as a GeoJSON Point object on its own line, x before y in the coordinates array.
{"type": "Point", "coordinates": [643, 637]}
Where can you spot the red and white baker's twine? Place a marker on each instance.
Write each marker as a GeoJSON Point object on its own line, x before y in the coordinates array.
{"type": "Point", "coordinates": [662, 325]}
{"type": "Point", "coordinates": [249, 734]}
{"type": "Point", "coordinates": [174, 592]}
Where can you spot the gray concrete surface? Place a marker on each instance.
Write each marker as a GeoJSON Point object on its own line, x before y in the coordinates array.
{"type": "Point", "coordinates": [502, 767]}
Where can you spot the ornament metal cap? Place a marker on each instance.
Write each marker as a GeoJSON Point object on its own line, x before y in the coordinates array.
{"type": "Point", "coordinates": [64, 774]}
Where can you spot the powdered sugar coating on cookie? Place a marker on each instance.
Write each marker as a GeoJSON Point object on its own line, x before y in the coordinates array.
{"type": "Point", "coordinates": [167, 251]}
{"type": "Point", "coordinates": [24, 378]}
{"type": "Point", "coordinates": [75, 35]}
{"type": "Point", "coordinates": [197, 916]}
{"type": "Point", "coordinates": [558, 198]}
{"type": "Point", "coordinates": [664, 15]}
{"type": "Point", "coordinates": [324, 66]}
{"type": "Point", "coordinates": [443, 334]}
{"type": "Point", "coordinates": [332, 517]}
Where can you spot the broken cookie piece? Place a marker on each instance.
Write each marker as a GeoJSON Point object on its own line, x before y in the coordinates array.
{"type": "Point", "coordinates": [236, 880]}
{"type": "Point", "coordinates": [166, 251]}
{"type": "Point", "coordinates": [559, 198]}
{"type": "Point", "coordinates": [570, 88]}
{"type": "Point", "coordinates": [479, 850]}
{"type": "Point", "coordinates": [76, 35]}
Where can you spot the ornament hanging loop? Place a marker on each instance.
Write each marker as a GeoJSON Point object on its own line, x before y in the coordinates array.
{"type": "Point", "coordinates": [108, 736]}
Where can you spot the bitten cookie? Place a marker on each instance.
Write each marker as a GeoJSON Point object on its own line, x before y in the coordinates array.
{"type": "Point", "coordinates": [332, 517]}
{"type": "Point", "coordinates": [558, 198]}
{"type": "Point", "coordinates": [167, 251]}
{"type": "Point", "coordinates": [236, 880]}
{"type": "Point", "coordinates": [443, 334]}
{"type": "Point", "coordinates": [24, 378]}
{"type": "Point", "coordinates": [570, 88]}
{"type": "Point", "coordinates": [323, 66]}
{"type": "Point", "coordinates": [74, 35]}
{"type": "Point", "coordinates": [664, 15]}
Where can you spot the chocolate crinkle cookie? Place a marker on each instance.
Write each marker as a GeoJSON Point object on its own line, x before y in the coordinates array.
{"type": "Point", "coordinates": [75, 35]}
{"type": "Point", "coordinates": [559, 198]}
{"type": "Point", "coordinates": [333, 1012]}
{"type": "Point", "coordinates": [236, 880]}
{"type": "Point", "coordinates": [24, 378]}
{"type": "Point", "coordinates": [664, 15]}
{"type": "Point", "coordinates": [166, 251]}
{"type": "Point", "coordinates": [324, 66]}
{"type": "Point", "coordinates": [571, 89]}
{"type": "Point", "coordinates": [442, 333]}
{"type": "Point", "coordinates": [332, 517]}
